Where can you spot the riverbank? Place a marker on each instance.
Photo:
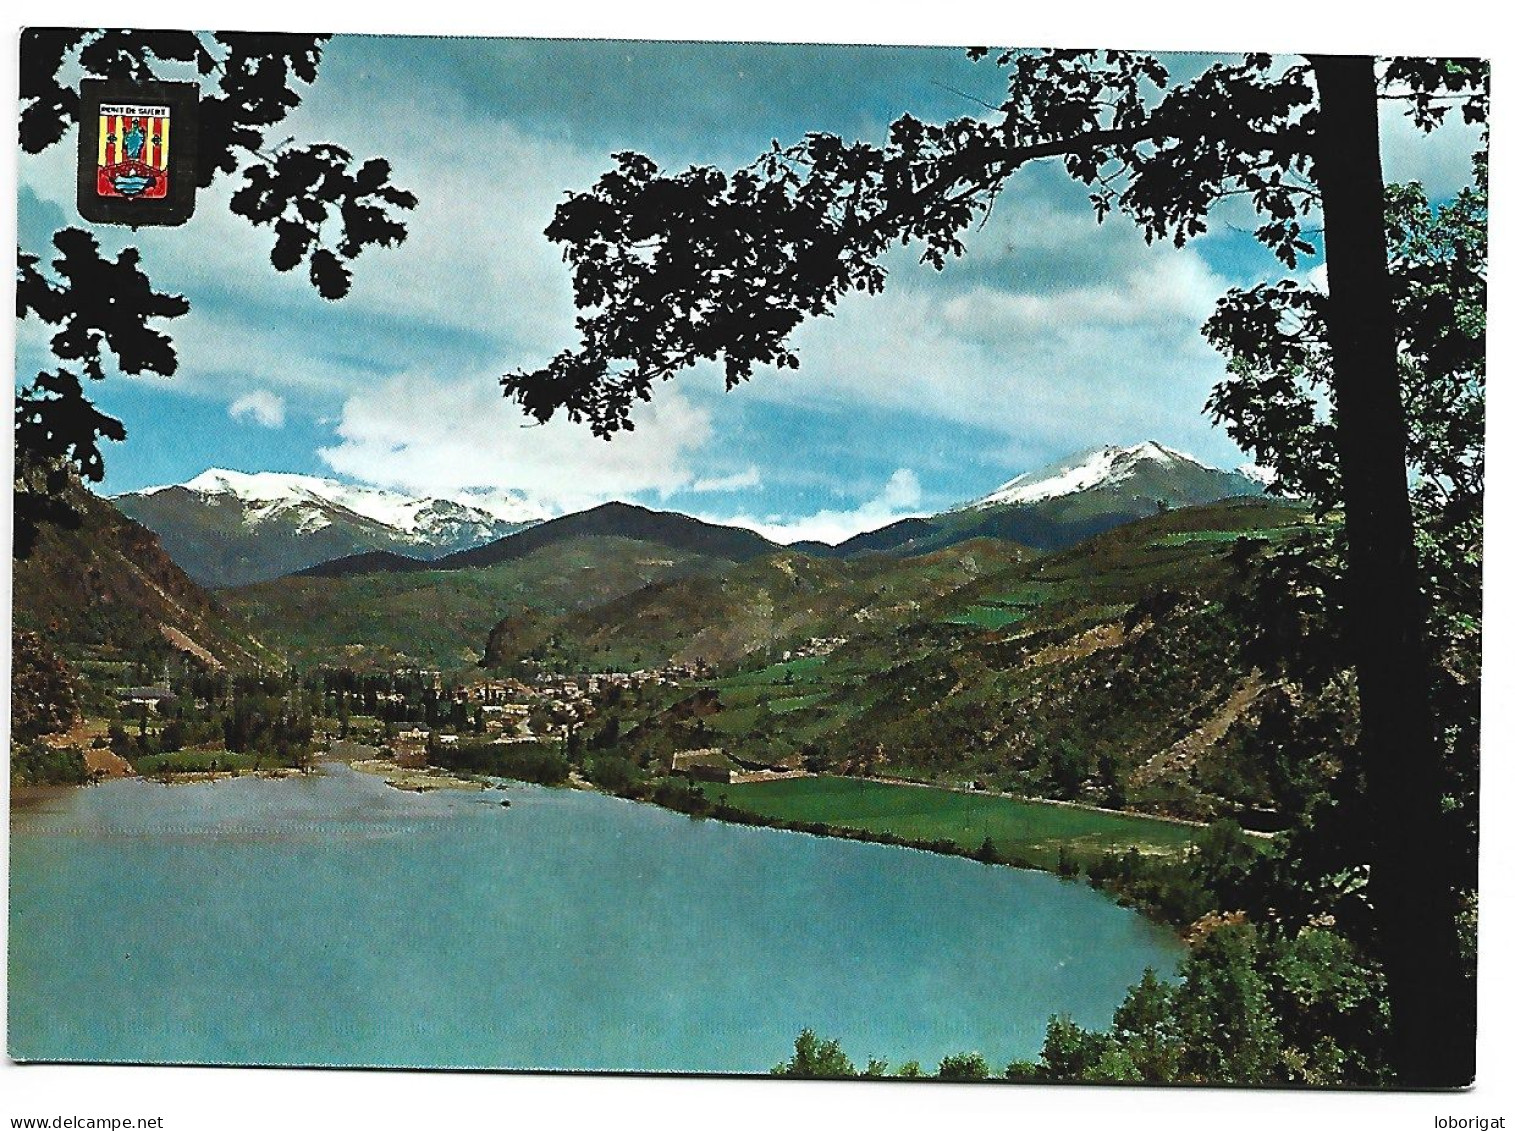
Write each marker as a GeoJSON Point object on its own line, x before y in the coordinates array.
{"type": "Point", "coordinates": [1145, 864]}
{"type": "Point", "coordinates": [25, 797]}
{"type": "Point", "coordinates": [695, 801]}
{"type": "Point", "coordinates": [31, 796]}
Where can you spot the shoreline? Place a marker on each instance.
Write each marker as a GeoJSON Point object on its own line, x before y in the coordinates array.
{"type": "Point", "coordinates": [733, 815]}
{"type": "Point", "coordinates": [416, 780]}
{"type": "Point", "coordinates": [429, 779]}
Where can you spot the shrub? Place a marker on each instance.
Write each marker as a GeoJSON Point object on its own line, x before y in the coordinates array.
{"type": "Point", "coordinates": [37, 763]}
{"type": "Point", "coordinates": [963, 1066]}
{"type": "Point", "coordinates": [814, 1057]}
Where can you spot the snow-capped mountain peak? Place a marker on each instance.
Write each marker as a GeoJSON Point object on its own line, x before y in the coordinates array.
{"type": "Point", "coordinates": [1107, 466]}
{"type": "Point", "coordinates": [230, 527]}
{"type": "Point", "coordinates": [267, 494]}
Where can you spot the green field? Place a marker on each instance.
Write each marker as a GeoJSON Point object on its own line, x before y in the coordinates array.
{"type": "Point", "coordinates": [202, 761]}
{"type": "Point", "coordinates": [1027, 830]}
{"type": "Point", "coordinates": [806, 669]}
{"type": "Point", "coordinates": [988, 616]}
{"type": "Point", "coordinates": [1219, 537]}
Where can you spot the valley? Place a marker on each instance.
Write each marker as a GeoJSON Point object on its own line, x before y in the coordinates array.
{"type": "Point", "coordinates": [1076, 700]}
{"type": "Point", "coordinates": [709, 670]}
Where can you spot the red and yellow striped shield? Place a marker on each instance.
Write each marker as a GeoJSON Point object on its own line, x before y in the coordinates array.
{"type": "Point", "coordinates": [133, 151]}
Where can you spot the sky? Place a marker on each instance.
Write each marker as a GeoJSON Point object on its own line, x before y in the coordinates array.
{"type": "Point", "coordinates": [1055, 333]}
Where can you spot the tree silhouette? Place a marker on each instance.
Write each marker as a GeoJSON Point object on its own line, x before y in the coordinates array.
{"type": "Point", "coordinates": [672, 269]}
{"type": "Point", "coordinates": [1281, 364]}
{"type": "Point", "coordinates": [323, 208]}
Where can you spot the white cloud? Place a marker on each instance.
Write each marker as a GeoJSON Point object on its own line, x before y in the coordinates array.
{"type": "Point", "coordinates": [474, 266]}
{"type": "Point", "coordinates": [736, 481]}
{"type": "Point", "coordinates": [1075, 334]}
{"type": "Point", "coordinates": [903, 491]}
{"type": "Point", "coordinates": [261, 406]}
{"type": "Point", "coordinates": [486, 190]}
{"type": "Point", "coordinates": [899, 498]}
{"type": "Point", "coordinates": [425, 435]}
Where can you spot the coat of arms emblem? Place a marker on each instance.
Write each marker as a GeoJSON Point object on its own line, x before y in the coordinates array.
{"type": "Point", "coordinates": [133, 151]}
{"type": "Point", "coordinates": [137, 145]}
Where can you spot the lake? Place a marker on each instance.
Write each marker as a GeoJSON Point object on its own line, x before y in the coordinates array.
{"type": "Point", "coordinates": [332, 920]}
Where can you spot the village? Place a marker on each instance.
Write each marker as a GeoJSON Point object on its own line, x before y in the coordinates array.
{"type": "Point", "coordinates": [425, 719]}
{"type": "Point", "coordinates": [548, 708]}
{"type": "Point", "coordinates": [552, 726]}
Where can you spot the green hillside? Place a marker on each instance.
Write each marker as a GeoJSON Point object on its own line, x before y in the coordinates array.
{"type": "Point", "coordinates": [1107, 674]}
{"type": "Point", "coordinates": [729, 612]}
{"type": "Point", "coordinates": [107, 591]}
{"type": "Point", "coordinates": [442, 618]}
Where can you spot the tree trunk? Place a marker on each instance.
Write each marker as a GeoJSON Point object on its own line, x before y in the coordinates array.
{"type": "Point", "coordinates": [1411, 878]}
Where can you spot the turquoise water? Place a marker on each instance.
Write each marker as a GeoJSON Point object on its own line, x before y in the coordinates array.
{"type": "Point", "coordinates": [331, 920]}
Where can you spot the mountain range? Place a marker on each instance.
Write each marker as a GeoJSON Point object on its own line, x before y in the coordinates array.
{"type": "Point", "coordinates": [1145, 472]}
{"type": "Point", "coordinates": [610, 520]}
{"type": "Point", "coordinates": [624, 585]}
{"type": "Point", "coordinates": [1108, 671]}
{"type": "Point", "coordinates": [228, 528]}
{"type": "Point", "coordinates": [1064, 503]}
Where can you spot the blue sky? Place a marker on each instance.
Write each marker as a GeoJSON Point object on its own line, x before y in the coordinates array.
{"type": "Point", "coordinates": [1054, 334]}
